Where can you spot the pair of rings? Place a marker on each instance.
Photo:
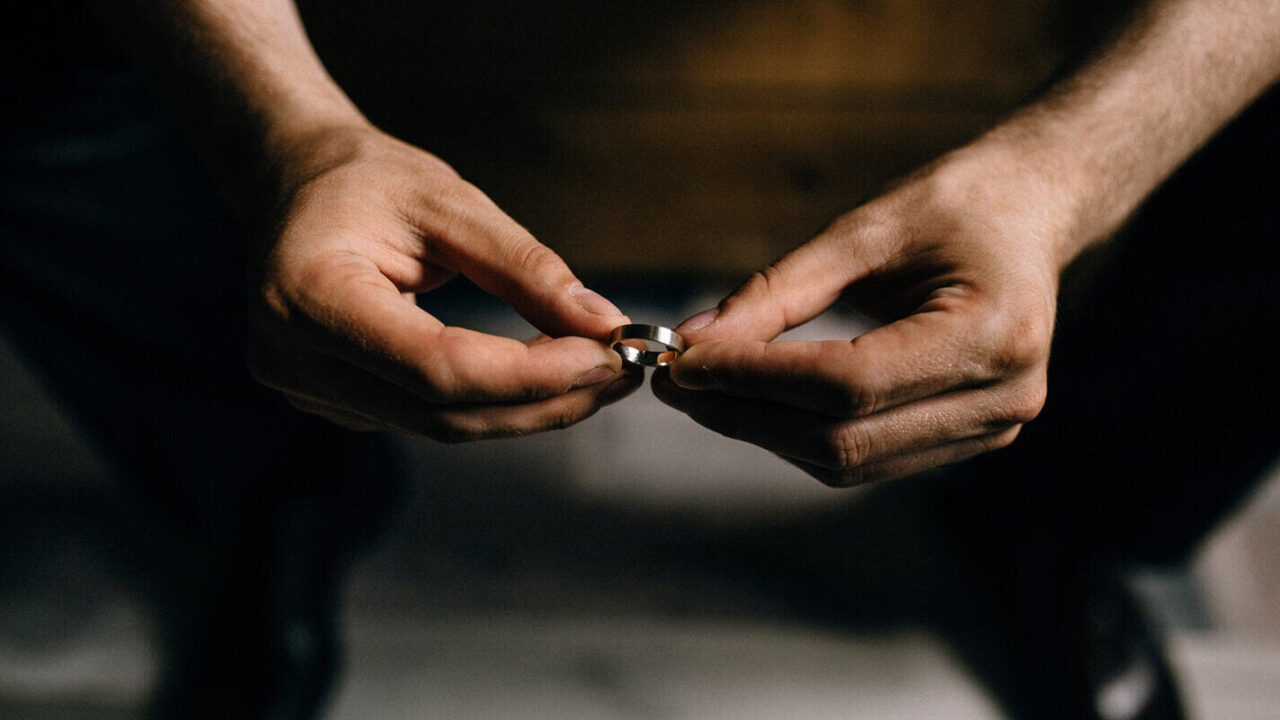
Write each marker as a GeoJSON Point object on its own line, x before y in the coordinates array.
{"type": "Point", "coordinates": [665, 337]}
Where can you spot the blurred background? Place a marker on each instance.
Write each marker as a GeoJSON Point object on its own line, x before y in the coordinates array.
{"type": "Point", "coordinates": [693, 138]}
{"type": "Point", "coordinates": [635, 566]}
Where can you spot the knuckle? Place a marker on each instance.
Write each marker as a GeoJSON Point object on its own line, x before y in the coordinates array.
{"type": "Point", "coordinates": [852, 395]}
{"type": "Point", "coordinates": [761, 284]}
{"type": "Point", "coordinates": [532, 257]}
{"type": "Point", "coordinates": [1027, 404]}
{"type": "Point", "coordinates": [848, 446]}
{"type": "Point", "coordinates": [562, 417]}
{"type": "Point", "coordinates": [558, 415]}
{"type": "Point", "coordinates": [455, 197]}
{"type": "Point", "coordinates": [440, 385]}
{"type": "Point", "coordinates": [465, 193]}
{"type": "Point", "coordinates": [1023, 343]}
{"type": "Point", "coordinates": [436, 165]}
{"type": "Point", "coordinates": [448, 209]}
{"type": "Point", "coordinates": [438, 381]}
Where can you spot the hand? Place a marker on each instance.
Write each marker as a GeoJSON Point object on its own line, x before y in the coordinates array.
{"type": "Point", "coordinates": [369, 221]}
{"type": "Point", "coordinates": [961, 260]}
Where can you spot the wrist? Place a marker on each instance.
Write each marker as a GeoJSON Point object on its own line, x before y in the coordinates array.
{"type": "Point", "coordinates": [1069, 155]}
{"type": "Point", "coordinates": [1022, 189]}
{"type": "Point", "coordinates": [292, 153]}
{"type": "Point", "coordinates": [301, 151]}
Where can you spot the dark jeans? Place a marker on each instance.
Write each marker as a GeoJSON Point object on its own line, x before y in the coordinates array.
{"type": "Point", "coordinates": [122, 280]}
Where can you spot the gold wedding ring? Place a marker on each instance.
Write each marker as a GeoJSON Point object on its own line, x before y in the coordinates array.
{"type": "Point", "coordinates": [665, 337]}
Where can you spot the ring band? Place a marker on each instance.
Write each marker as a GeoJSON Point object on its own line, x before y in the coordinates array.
{"type": "Point", "coordinates": [668, 338]}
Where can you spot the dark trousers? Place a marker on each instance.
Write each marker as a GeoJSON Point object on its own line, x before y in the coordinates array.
{"type": "Point", "coordinates": [122, 281]}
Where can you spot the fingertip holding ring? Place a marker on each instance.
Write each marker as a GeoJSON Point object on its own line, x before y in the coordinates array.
{"type": "Point", "coordinates": [666, 337]}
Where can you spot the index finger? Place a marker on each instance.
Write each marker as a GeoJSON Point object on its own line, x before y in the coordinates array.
{"type": "Point", "coordinates": [361, 317]}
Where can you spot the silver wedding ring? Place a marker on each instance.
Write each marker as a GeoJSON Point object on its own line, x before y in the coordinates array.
{"type": "Point", "coordinates": [665, 337]}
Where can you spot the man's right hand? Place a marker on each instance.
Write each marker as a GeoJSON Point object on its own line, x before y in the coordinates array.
{"type": "Point", "coordinates": [368, 221]}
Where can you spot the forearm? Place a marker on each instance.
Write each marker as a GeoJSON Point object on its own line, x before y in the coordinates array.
{"type": "Point", "coordinates": [1100, 142]}
{"type": "Point", "coordinates": [244, 80]}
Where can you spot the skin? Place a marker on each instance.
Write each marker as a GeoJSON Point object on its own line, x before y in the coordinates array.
{"type": "Point", "coordinates": [351, 224]}
{"type": "Point", "coordinates": [963, 260]}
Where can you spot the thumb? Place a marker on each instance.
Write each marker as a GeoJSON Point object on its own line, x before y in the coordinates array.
{"type": "Point", "coordinates": [504, 260]}
{"type": "Point", "coordinates": [792, 291]}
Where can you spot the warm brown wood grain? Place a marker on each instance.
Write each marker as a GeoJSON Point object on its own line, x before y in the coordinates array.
{"type": "Point", "coordinates": [701, 138]}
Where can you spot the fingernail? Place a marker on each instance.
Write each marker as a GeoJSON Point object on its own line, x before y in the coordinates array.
{"type": "Point", "coordinates": [592, 301]}
{"type": "Point", "coordinates": [701, 320]}
{"type": "Point", "coordinates": [594, 376]}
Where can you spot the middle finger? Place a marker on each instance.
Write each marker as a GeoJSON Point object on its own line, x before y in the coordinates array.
{"type": "Point", "coordinates": [839, 443]}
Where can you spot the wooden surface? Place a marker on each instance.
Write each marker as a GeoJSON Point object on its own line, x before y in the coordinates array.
{"type": "Point", "coordinates": [691, 138]}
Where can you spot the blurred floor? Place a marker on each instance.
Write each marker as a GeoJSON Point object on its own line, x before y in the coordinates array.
{"type": "Point", "coordinates": [590, 573]}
